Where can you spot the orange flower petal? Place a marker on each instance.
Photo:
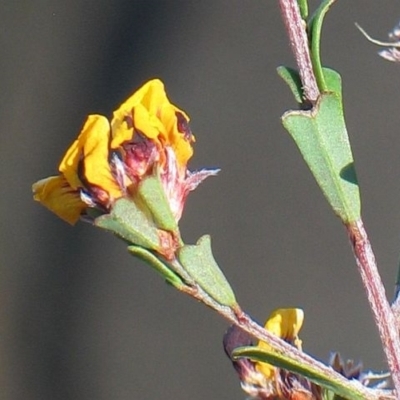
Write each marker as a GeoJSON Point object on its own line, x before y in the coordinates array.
{"type": "Point", "coordinates": [141, 107]}
{"type": "Point", "coordinates": [153, 115]}
{"type": "Point", "coordinates": [57, 195]}
{"type": "Point", "coordinates": [180, 143]}
{"type": "Point", "coordinates": [92, 148]}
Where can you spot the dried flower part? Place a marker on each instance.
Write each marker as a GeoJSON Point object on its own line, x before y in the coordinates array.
{"type": "Point", "coordinates": [147, 135]}
{"type": "Point", "coordinates": [392, 47]}
{"type": "Point", "coordinates": [348, 368]}
{"type": "Point", "coordinates": [253, 382]}
{"type": "Point", "coordinates": [354, 371]}
{"type": "Point", "coordinates": [295, 387]}
{"type": "Point", "coordinates": [263, 381]}
{"type": "Point", "coordinates": [392, 53]}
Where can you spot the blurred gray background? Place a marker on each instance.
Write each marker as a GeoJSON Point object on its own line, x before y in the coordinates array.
{"type": "Point", "coordinates": [80, 318]}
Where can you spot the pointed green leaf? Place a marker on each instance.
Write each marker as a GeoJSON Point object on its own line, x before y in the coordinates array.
{"type": "Point", "coordinates": [153, 196]}
{"type": "Point", "coordinates": [292, 79]}
{"type": "Point", "coordinates": [130, 223]}
{"type": "Point", "coordinates": [199, 262]}
{"type": "Point", "coordinates": [322, 139]}
{"type": "Point", "coordinates": [162, 268]}
{"type": "Point", "coordinates": [351, 391]}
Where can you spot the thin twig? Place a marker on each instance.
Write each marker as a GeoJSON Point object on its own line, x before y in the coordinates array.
{"type": "Point", "coordinates": [296, 29]}
{"type": "Point", "coordinates": [383, 315]}
{"type": "Point", "coordinates": [375, 41]}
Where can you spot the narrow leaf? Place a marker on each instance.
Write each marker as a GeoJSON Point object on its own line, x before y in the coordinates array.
{"type": "Point", "coordinates": [162, 268]}
{"type": "Point", "coordinates": [315, 27]}
{"type": "Point", "coordinates": [303, 6]}
{"type": "Point", "coordinates": [350, 391]}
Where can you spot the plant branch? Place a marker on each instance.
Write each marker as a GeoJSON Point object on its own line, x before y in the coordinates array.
{"type": "Point", "coordinates": [245, 322]}
{"type": "Point", "coordinates": [237, 316]}
{"type": "Point", "coordinates": [383, 315]}
{"type": "Point", "coordinates": [296, 30]}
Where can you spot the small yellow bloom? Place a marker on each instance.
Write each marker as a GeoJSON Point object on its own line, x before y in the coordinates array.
{"type": "Point", "coordinates": [286, 324]}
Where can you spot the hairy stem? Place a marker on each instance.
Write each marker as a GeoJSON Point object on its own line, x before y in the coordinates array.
{"type": "Point", "coordinates": [296, 30]}
{"type": "Point", "coordinates": [383, 315]}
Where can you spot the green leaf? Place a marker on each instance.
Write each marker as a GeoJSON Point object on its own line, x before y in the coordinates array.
{"type": "Point", "coordinates": [292, 78]}
{"type": "Point", "coordinates": [303, 6]}
{"type": "Point", "coordinates": [129, 222]}
{"type": "Point", "coordinates": [349, 391]}
{"type": "Point", "coordinates": [315, 27]}
{"type": "Point", "coordinates": [199, 263]}
{"type": "Point", "coordinates": [333, 82]}
{"type": "Point", "coordinates": [162, 268]}
{"type": "Point", "coordinates": [152, 193]}
{"type": "Point", "coordinates": [322, 139]}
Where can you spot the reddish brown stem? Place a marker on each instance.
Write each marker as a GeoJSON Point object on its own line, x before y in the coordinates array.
{"type": "Point", "coordinates": [296, 30]}
{"type": "Point", "coordinates": [383, 315]}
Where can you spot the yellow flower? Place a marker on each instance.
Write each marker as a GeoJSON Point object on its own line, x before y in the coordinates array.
{"type": "Point", "coordinates": [84, 167]}
{"type": "Point", "coordinates": [149, 112]}
{"type": "Point", "coordinates": [286, 324]}
{"type": "Point", "coordinates": [56, 194]}
{"type": "Point", "coordinates": [89, 154]}
{"type": "Point", "coordinates": [147, 135]}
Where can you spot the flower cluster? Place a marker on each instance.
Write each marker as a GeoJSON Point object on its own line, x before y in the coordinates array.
{"type": "Point", "coordinates": [147, 135]}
